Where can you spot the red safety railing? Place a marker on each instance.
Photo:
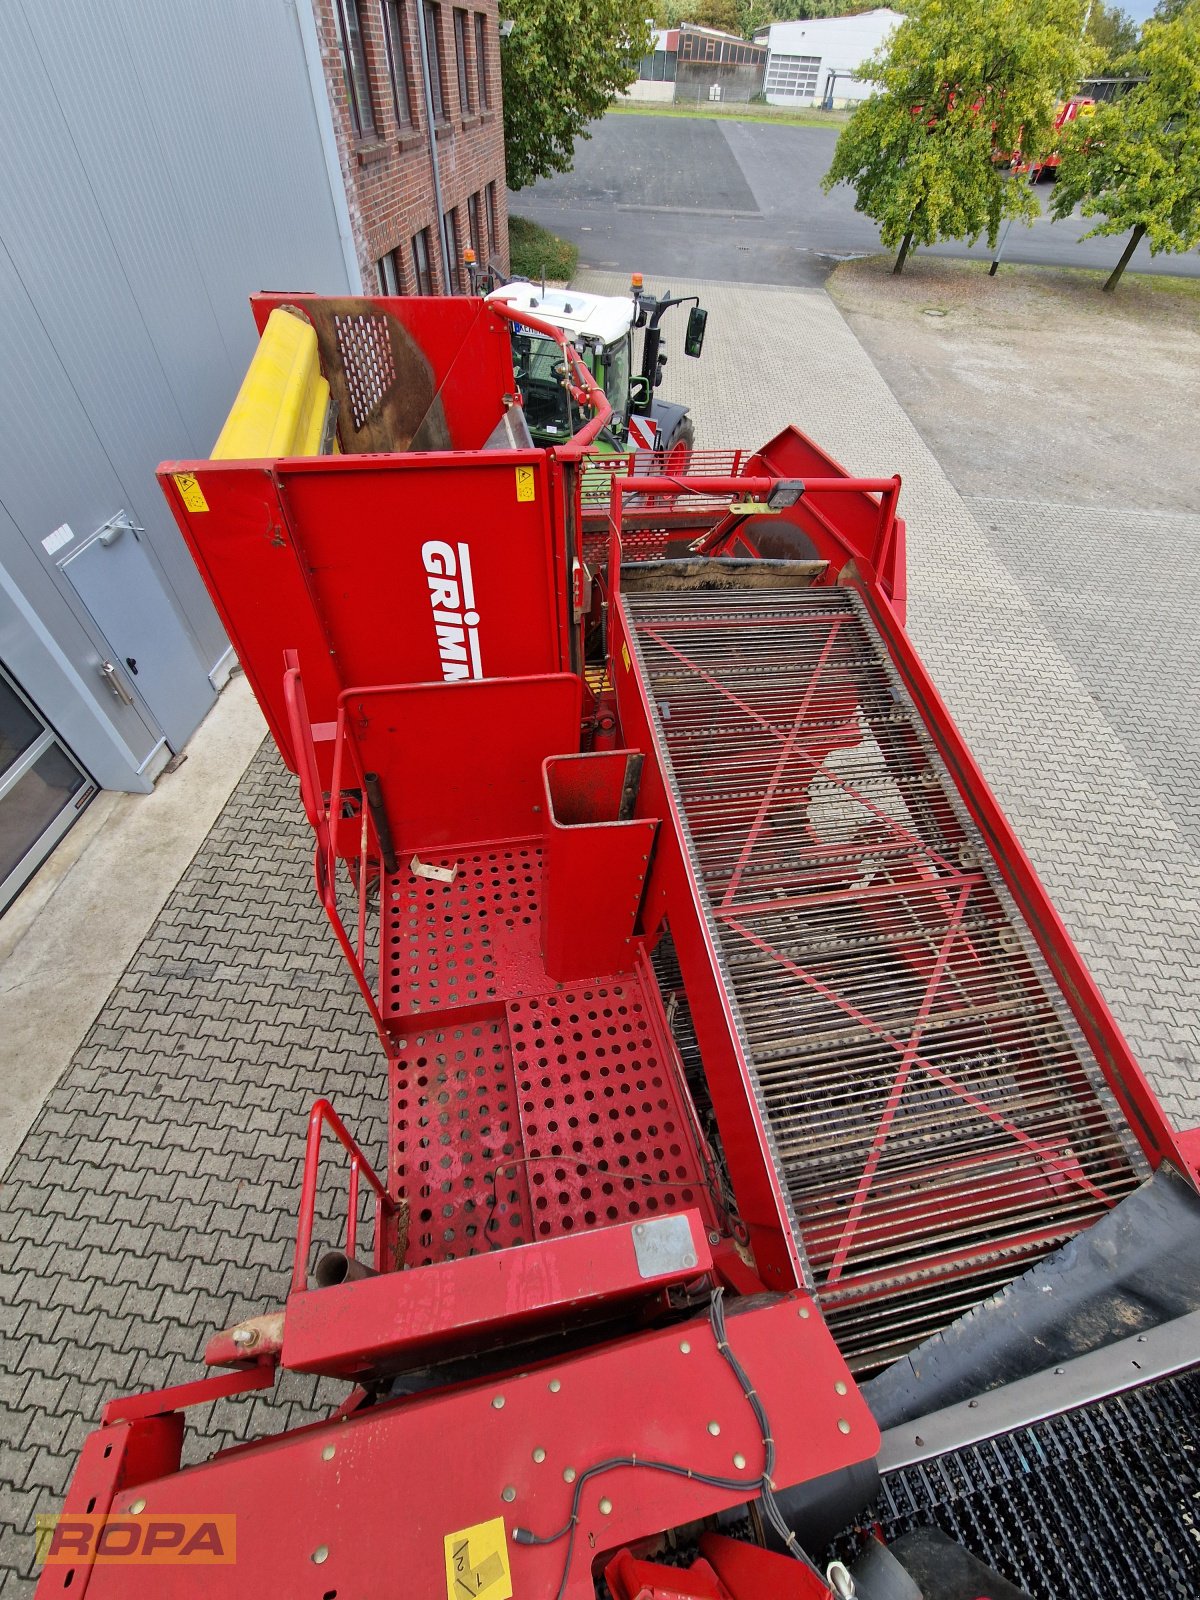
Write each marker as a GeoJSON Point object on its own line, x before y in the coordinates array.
{"type": "Point", "coordinates": [722, 537]}
{"type": "Point", "coordinates": [323, 1116]}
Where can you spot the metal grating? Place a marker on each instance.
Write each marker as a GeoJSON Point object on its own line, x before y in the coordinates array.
{"type": "Point", "coordinates": [1098, 1503]}
{"type": "Point", "coordinates": [938, 1117]}
{"type": "Point", "coordinates": [464, 943]}
{"type": "Point", "coordinates": [365, 346]}
{"type": "Point", "coordinates": [456, 1141]}
{"type": "Point", "coordinates": [606, 1134]}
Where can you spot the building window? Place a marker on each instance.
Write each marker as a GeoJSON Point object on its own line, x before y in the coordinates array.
{"type": "Point", "coordinates": [477, 241]}
{"type": "Point", "coordinates": [391, 279]}
{"type": "Point", "coordinates": [433, 33]}
{"type": "Point", "coordinates": [393, 38]}
{"type": "Point", "coordinates": [354, 66]}
{"type": "Point", "coordinates": [793, 76]}
{"type": "Point", "coordinates": [421, 262]}
{"type": "Point", "coordinates": [462, 47]}
{"type": "Point", "coordinates": [481, 60]}
{"type": "Point", "coordinates": [490, 199]}
{"type": "Point", "coordinates": [450, 218]}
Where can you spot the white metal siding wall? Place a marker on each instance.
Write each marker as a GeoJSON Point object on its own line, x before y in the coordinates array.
{"type": "Point", "coordinates": [161, 162]}
{"type": "Point", "coordinates": [839, 43]}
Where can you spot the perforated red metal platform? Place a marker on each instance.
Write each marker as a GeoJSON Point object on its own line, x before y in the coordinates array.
{"type": "Point", "coordinates": [521, 1108]}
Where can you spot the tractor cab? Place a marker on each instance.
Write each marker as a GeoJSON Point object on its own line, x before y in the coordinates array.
{"type": "Point", "coordinates": [601, 327]}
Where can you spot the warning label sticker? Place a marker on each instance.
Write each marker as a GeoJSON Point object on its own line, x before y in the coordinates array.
{"type": "Point", "coordinates": [190, 492]}
{"type": "Point", "coordinates": [477, 1562]}
{"type": "Point", "coordinates": [525, 483]}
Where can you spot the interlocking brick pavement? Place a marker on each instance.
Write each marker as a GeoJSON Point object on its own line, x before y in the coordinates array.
{"type": "Point", "coordinates": [154, 1198]}
{"type": "Point", "coordinates": [153, 1201]}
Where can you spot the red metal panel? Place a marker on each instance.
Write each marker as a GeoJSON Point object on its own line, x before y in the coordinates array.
{"type": "Point", "coordinates": [348, 1506]}
{"type": "Point", "coordinates": [428, 567]}
{"type": "Point", "coordinates": [459, 763]}
{"type": "Point", "coordinates": [595, 865]}
{"type": "Point", "coordinates": [384, 1323]}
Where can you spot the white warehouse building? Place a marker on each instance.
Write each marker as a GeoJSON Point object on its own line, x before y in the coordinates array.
{"type": "Point", "coordinates": [811, 62]}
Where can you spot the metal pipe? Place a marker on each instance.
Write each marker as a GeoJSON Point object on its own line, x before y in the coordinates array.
{"type": "Point", "coordinates": [335, 1267]}
{"type": "Point", "coordinates": [373, 793]}
{"type": "Point", "coordinates": [447, 264]}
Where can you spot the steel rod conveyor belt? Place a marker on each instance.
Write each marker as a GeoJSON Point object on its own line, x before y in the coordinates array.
{"type": "Point", "coordinates": [939, 1121]}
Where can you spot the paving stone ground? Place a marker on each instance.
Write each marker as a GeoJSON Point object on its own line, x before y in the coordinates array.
{"type": "Point", "coordinates": [154, 1198]}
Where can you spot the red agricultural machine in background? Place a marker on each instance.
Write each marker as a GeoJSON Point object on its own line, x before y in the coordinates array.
{"type": "Point", "coordinates": [769, 1205]}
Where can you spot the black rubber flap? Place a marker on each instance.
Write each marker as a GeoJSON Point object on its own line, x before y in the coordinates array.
{"type": "Point", "coordinates": [1136, 1268]}
{"type": "Point", "coordinates": [943, 1570]}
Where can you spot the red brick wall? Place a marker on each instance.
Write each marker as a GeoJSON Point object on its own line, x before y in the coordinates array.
{"type": "Point", "coordinates": [388, 172]}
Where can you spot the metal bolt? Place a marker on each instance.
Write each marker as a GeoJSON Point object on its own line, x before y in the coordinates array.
{"type": "Point", "coordinates": [508, 1493]}
{"type": "Point", "coordinates": [843, 1425]}
{"type": "Point", "coordinates": [739, 1460]}
{"type": "Point", "coordinates": [639, 1227]}
{"type": "Point", "coordinates": [568, 1474]}
{"type": "Point", "coordinates": [327, 1453]}
{"type": "Point", "coordinates": [685, 1347]}
{"type": "Point", "coordinates": [498, 1403]}
{"type": "Point", "coordinates": [555, 1385]}
{"type": "Point", "coordinates": [245, 1336]}
{"type": "Point", "coordinates": [539, 1455]}
{"type": "Point", "coordinates": [971, 1404]}
{"type": "Point", "coordinates": [320, 1555]}
{"type": "Point", "coordinates": [689, 1260]}
{"type": "Point", "coordinates": [137, 1506]}
{"type": "Point", "coordinates": [714, 1428]}
{"type": "Point", "coordinates": [839, 1387]}
{"type": "Point", "coordinates": [714, 1237]}
{"type": "Point", "coordinates": [802, 1313]}
{"type": "Point", "coordinates": [605, 1507]}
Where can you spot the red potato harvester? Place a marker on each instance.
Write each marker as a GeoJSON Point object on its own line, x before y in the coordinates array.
{"type": "Point", "coordinates": [769, 1204]}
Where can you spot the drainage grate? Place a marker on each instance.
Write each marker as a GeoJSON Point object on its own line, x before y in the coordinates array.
{"type": "Point", "coordinates": [939, 1119]}
{"type": "Point", "coordinates": [603, 1122]}
{"type": "Point", "coordinates": [456, 1141]}
{"type": "Point", "coordinates": [1098, 1504]}
{"type": "Point", "coordinates": [463, 943]}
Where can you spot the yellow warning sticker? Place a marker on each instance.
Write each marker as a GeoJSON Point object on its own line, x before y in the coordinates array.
{"type": "Point", "coordinates": [477, 1561]}
{"type": "Point", "coordinates": [625, 654]}
{"type": "Point", "coordinates": [190, 492]}
{"type": "Point", "coordinates": [525, 483]}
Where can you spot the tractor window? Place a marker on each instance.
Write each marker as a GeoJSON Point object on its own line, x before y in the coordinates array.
{"type": "Point", "coordinates": [616, 377]}
{"type": "Point", "coordinates": [547, 407]}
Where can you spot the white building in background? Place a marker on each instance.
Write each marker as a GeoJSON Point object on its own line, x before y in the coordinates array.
{"type": "Point", "coordinates": [810, 63]}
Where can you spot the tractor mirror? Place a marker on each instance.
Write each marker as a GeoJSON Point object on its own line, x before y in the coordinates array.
{"type": "Point", "coordinates": [693, 341]}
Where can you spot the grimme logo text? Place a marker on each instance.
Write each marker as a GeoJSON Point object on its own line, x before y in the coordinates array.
{"type": "Point", "coordinates": [455, 619]}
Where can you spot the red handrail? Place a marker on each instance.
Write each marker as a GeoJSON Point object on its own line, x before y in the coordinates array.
{"type": "Point", "coordinates": [321, 1116]}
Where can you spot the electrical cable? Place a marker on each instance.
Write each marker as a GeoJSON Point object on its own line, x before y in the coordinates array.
{"type": "Point", "coordinates": [716, 1317]}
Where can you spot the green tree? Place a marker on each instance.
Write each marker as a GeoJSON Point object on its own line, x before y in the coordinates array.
{"type": "Point", "coordinates": [721, 14]}
{"type": "Point", "coordinates": [562, 63]}
{"type": "Point", "coordinates": [1112, 32]}
{"type": "Point", "coordinates": [961, 82]}
{"type": "Point", "coordinates": [1135, 164]}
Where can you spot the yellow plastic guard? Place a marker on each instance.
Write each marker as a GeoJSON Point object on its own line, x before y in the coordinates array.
{"type": "Point", "coordinates": [283, 403]}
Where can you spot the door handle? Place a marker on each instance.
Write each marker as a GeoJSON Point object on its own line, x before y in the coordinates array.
{"type": "Point", "coordinates": [109, 673]}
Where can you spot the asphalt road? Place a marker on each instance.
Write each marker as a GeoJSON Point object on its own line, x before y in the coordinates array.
{"type": "Point", "coordinates": [742, 202]}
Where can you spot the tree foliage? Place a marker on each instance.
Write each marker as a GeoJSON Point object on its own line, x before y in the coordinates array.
{"type": "Point", "coordinates": [562, 63]}
{"type": "Point", "coordinates": [1135, 164]}
{"type": "Point", "coordinates": [961, 81]}
{"type": "Point", "coordinates": [1112, 33]}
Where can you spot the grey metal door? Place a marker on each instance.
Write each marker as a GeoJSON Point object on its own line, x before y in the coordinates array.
{"type": "Point", "coordinates": [152, 656]}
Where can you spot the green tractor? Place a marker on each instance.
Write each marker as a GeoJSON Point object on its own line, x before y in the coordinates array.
{"type": "Point", "coordinates": [601, 327]}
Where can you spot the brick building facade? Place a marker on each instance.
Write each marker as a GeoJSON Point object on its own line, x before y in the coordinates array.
{"type": "Point", "coordinates": [374, 67]}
